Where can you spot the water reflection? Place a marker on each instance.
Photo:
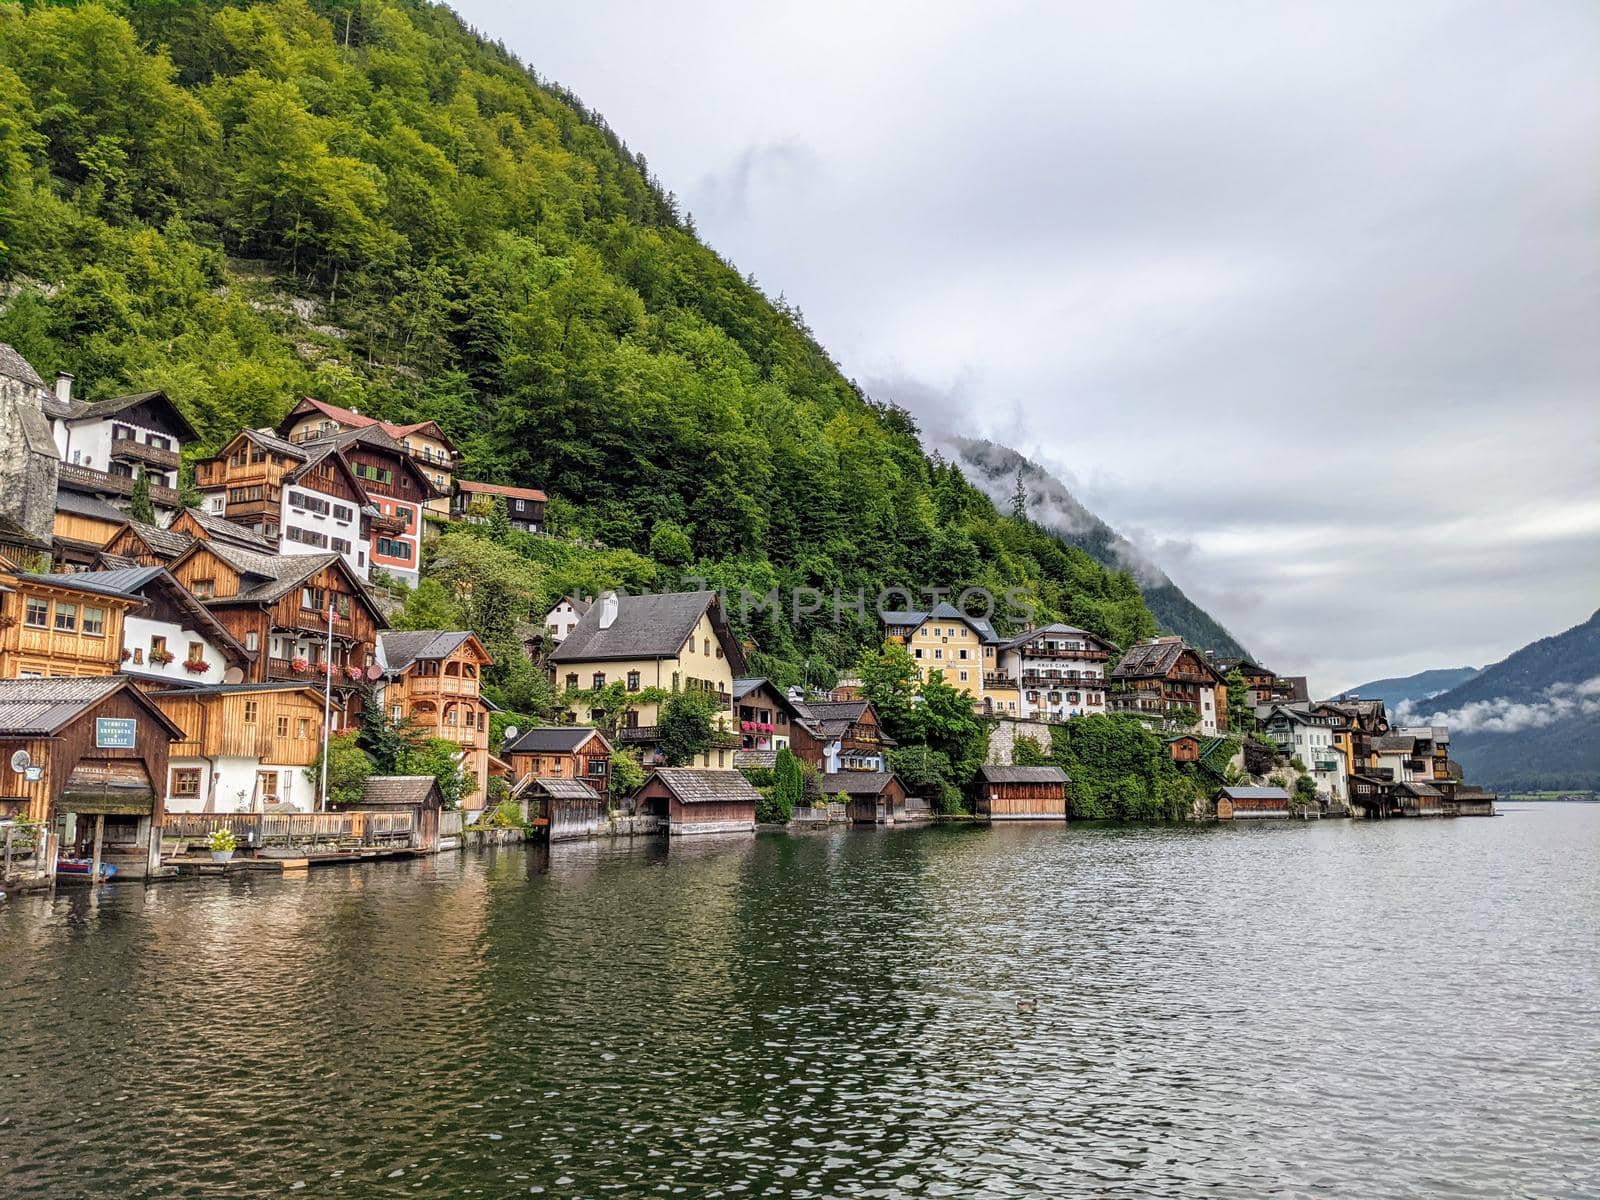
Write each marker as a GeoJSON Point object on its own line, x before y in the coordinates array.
{"type": "Point", "coordinates": [1219, 1012]}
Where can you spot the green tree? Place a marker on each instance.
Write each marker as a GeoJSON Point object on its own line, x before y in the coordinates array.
{"type": "Point", "coordinates": [669, 545]}
{"type": "Point", "coordinates": [1241, 717]}
{"type": "Point", "coordinates": [889, 681]}
{"type": "Point", "coordinates": [348, 770]}
{"type": "Point", "coordinates": [788, 787]}
{"type": "Point", "coordinates": [499, 519]}
{"type": "Point", "coordinates": [384, 741]}
{"type": "Point", "coordinates": [927, 773]}
{"type": "Point", "coordinates": [440, 758]}
{"type": "Point", "coordinates": [1026, 752]}
{"type": "Point", "coordinates": [944, 721]}
{"type": "Point", "coordinates": [684, 727]}
{"type": "Point", "coordinates": [627, 776]}
{"type": "Point", "coordinates": [140, 507]}
{"type": "Point", "coordinates": [1019, 497]}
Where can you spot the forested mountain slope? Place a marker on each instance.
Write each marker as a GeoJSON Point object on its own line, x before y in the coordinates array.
{"type": "Point", "coordinates": [1532, 720]}
{"type": "Point", "coordinates": [362, 201]}
{"type": "Point", "coordinates": [1051, 503]}
{"type": "Point", "coordinates": [1414, 689]}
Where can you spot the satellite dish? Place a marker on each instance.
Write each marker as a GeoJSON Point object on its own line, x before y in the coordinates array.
{"type": "Point", "coordinates": [21, 761]}
{"type": "Point", "coordinates": [509, 734]}
{"type": "Point", "coordinates": [233, 675]}
{"type": "Point", "coordinates": [374, 672]}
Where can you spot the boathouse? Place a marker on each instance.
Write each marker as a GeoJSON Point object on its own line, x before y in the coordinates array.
{"type": "Point", "coordinates": [88, 757]}
{"type": "Point", "coordinates": [699, 801]}
{"type": "Point", "coordinates": [872, 797]}
{"type": "Point", "coordinates": [570, 808]}
{"type": "Point", "coordinates": [1022, 793]}
{"type": "Point", "coordinates": [1413, 798]}
{"type": "Point", "coordinates": [417, 795]}
{"type": "Point", "coordinates": [1251, 803]}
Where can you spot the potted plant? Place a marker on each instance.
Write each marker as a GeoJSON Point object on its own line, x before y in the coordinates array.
{"type": "Point", "coordinates": [196, 666]}
{"type": "Point", "coordinates": [162, 656]}
{"type": "Point", "coordinates": [299, 665]}
{"type": "Point", "coordinates": [353, 672]}
{"type": "Point", "coordinates": [222, 844]}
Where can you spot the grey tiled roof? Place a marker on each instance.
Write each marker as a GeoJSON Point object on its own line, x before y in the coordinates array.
{"type": "Point", "coordinates": [1023, 774]}
{"type": "Point", "coordinates": [1253, 793]}
{"type": "Point", "coordinates": [551, 739]}
{"type": "Point", "coordinates": [560, 789]}
{"type": "Point", "coordinates": [704, 787]}
{"type": "Point", "coordinates": [163, 541]}
{"type": "Point", "coordinates": [645, 627]}
{"type": "Point", "coordinates": [854, 783]}
{"type": "Point", "coordinates": [1058, 630]}
{"type": "Point", "coordinates": [69, 501]}
{"type": "Point", "coordinates": [40, 707]}
{"type": "Point", "coordinates": [1152, 660]}
{"type": "Point", "coordinates": [13, 364]}
{"type": "Point", "coordinates": [399, 789]}
{"type": "Point", "coordinates": [223, 530]}
{"type": "Point", "coordinates": [944, 611]}
{"type": "Point", "coordinates": [278, 574]}
{"type": "Point", "coordinates": [400, 648]}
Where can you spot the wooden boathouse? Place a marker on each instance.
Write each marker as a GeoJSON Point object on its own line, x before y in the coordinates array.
{"type": "Point", "coordinates": [1022, 793]}
{"type": "Point", "coordinates": [872, 797]}
{"type": "Point", "coordinates": [699, 801]}
{"type": "Point", "coordinates": [1252, 803]}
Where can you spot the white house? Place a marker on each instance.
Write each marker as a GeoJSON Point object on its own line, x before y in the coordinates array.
{"type": "Point", "coordinates": [1309, 734]}
{"type": "Point", "coordinates": [563, 619]}
{"type": "Point", "coordinates": [106, 444]}
{"type": "Point", "coordinates": [1059, 670]}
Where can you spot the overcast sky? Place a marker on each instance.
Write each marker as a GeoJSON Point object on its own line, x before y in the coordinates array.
{"type": "Point", "coordinates": [1305, 299]}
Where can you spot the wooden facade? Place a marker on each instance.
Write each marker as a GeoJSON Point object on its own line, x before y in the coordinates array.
{"type": "Point", "coordinates": [871, 797]}
{"type": "Point", "coordinates": [54, 630]}
{"type": "Point", "coordinates": [588, 759]}
{"type": "Point", "coordinates": [699, 801]}
{"type": "Point", "coordinates": [440, 697]}
{"type": "Point", "coordinates": [1184, 749]}
{"type": "Point", "coordinates": [1022, 793]}
{"type": "Point", "coordinates": [280, 725]}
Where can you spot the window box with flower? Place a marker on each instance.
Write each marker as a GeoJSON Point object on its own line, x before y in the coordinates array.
{"type": "Point", "coordinates": [196, 666]}
{"type": "Point", "coordinates": [299, 664]}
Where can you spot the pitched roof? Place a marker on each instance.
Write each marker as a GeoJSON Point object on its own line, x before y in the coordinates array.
{"type": "Point", "coordinates": [652, 626]}
{"type": "Point", "coordinates": [1391, 743]}
{"type": "Point", "coordinates": [125, 583]}
{"type": "Point", "coordinates": [854, 783]}
{"type": "Point", "coordinates": [497, 489]}
{"type": "Point", "coordinates": [1253, 793]}
{"type": "Point", "coordinates": [358, 420]}
{"type": "Point", "coordinates": [1058, 630]}
{"type": "Point", "coordinates": [552, 739]}
{"type": "Point", "coordinates": [1417, 788]}
{"type": "Point", "coordinates": [41, 707]}
{"type": "Point", "coordinates": [223, 530]}
{"type": "Point", "coordinates": [705, 787]}
{"type": "Point", "coordinates": [399, 789]}
{"type": "Point", "coordinates": [94, 410]}
{"type": "Point", "coordinates": [998, 774]}
{"type": "Point", "coordinates": [1154, 659]}
{"type": "Point", "coordinates": [268, 440]}
{"type": "Point", "coordinates": [743, 687]}
{"type": "Point", "coordinates": [558, 789]}
{"type": "Point", "coordinates": [136, 582]}
{"type": "Point", "coordinates": [278, 574]}
{"type": "Point", "coordinates": [165, 542]}
{"type": "Point", "coordinates": [13, 364]}
{"type": "Point", "coordinates": [400, 648]}
{"type": "Point", "coordinates": [69, 501]}
{"type": "Point", "coordinates": [944, 611]}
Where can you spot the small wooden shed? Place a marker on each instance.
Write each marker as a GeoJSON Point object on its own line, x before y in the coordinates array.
{"type": "Point", "coordinates": [1251, 803]}
{"type": "Point", "coordinates": [1185, 748]}
{"type": "Point", "coordinates": [418, 795]}
{"type": "Point", "coordinates": [1022, 793]}
{"type": "Point", "coordinates": [874, 797]}
{"type": "Point", "coordinates": [570, 807]}
{"type": "Point", "coordinates": [699, 801]}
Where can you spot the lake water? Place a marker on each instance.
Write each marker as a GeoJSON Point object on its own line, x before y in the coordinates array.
{"type": "Point", "coordinates": [1322, 1009]}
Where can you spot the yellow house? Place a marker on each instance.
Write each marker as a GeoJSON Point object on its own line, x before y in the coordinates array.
{"type": "Point", "coordinates": [673, 642]}
{"type": "Point", "coordinates": [52, 626]}
{"type": "Point", "coordinates": [963, 648]}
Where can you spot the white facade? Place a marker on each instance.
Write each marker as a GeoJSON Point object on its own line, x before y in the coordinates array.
{"type": "Point", "coordinates": [561, 620]}
{"type": "Point", "coordinates": [1311, 739]}
{"type": "Point", "coordinates": [1059, 673]}
{"type": "Point", "coordinates": [142, 637]}
{"type": "Point", "coordinates": [314, 522]}
{"type": "Point", "coordinates": [236, 784]}
{"type": "Point", "coordinates": [89, 444]}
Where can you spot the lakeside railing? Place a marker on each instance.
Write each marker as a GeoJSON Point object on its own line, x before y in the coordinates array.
{"type": "Point", "coordinates": [350, 830]}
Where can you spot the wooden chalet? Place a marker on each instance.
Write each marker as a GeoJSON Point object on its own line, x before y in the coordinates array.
{"type": "Point", "coordinates": [1251, 803]}
{"type": "Point", "coordinates": [244, 747]}
{"type": "Point", "coordinates": [1022, 793]}
{"type": "Point", "coordinates": [871, 797]}
{"type": "Point", "coordinates": [689, 801]}
{"type": "Point", "coordinates": [425, 441]}
{"type": "Point", "coordinates": [561, 752]}
{"type": "Point", "coordinates": [432, 681]}
{"type": "Point", "coordinates": [765, 719]}
{"type": "Point", "coordinates": [203, 526]}
{"type": "Point", "coordinates": [276, 606]}
{"type": "Point", "coordinates": [84, 525]}
{"type": "Point", "coordinates": [569, 808]}
{"type": "Point", "coordinates": [1157, 677]}
{"type": "Point", "coordinates": [98, 750]}
{"type": "Point", "coordinates": [54, 626]}
{"type": "Point", "coordinates": [138, 544]}
{"type": "Point", "coordinates": [524, 505]}
{"type": "Point", "coordinates": [840, 735]}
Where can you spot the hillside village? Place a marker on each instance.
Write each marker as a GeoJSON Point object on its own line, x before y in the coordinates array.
{"type": "Point", "coordinates": [174, 656]}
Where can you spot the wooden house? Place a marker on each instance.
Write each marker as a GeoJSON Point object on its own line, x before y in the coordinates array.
{"type": "Point", "coordinates": [1161, 677]}
{"type": "Point", "coordinates": [418, 795]}
{"type": "Point", "coordinates": [871, 797]}
{"type": "Point", "coordinates": [1185, 748]}
{"type": "Point", "coordinates": [524, 505]}
{"type": "Point", "coordinates": [570, 808]}
{"type": "Point", "coordinates": [1022, 793]}
{"type": "Point", "coordinates": [561, 752]}
{"type": "Point", "coordinates": [428, 445]}
{"type": "Point", "coordinates": [97, 752]}
{"type": "Point", "coordinates": [106, 445]}
{"type": "Point", "coordinates": [691, 801]}
{"type": "Point", "coordinates": [244, 747]}
{"type": "Point", "coordinates": [840, 735]}
{"type": "Point", "coordinates": [53, 626]}
{"type": "Point", "coordinates": [1251, 803]}
{"type": "Point", "coordinates": [765, 718]}
{"type": "Point", "coordinates": [675, 641]}
{"type": "Point", "coordinates": [1416, 798]}
{"type": "Point", "coordinates": [432, 680]}
{"type": "Point", "coordinates": [84, 525]}
{"type": "Point", "coordinates": [276, 606]}
{"type": "Point", "coordinates": [199, 524]}
{"type": "Point", "coordinates": [138, 544]}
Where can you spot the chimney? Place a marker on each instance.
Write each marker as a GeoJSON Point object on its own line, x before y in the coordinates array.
{"type": "Point", "coordinates": [608, 609]}
{"type": "Point", "coordinates": [64, 386]}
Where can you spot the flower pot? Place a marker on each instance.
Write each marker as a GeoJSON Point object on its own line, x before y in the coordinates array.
{"type": "Point", "coordinates": [221, 855]}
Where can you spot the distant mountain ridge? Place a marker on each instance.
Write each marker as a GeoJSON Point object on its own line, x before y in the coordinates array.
{"type": "Point", "coordinates": [1413, 689]}
{"type": "Point", "coordinates": [993, 468]}
{"type": "Point", "coordinates": [1531, 721]}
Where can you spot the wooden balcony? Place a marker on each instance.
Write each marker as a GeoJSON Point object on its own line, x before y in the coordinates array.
{"type": "Point", "coordinates": [128, 450]}
{"type": "Point", "coordinates": [313, 675]}
{"type": "Point", "coordinates": [1084, 655]}
{"type": "Point", "coordinates": [389, 524]}
{"type": "Point", "coordinates": [637, 733]}
{"type": "Point", "coordinates": [91, 480]}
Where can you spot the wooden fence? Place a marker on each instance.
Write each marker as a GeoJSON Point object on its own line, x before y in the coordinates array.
{"type": "Point", "coordinates": [256, 831]}
{"type": "Point", "coordinates": [24, 850]}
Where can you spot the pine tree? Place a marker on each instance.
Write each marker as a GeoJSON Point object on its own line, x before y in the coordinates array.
{"type": "Point", "coordinates": [1019, 498]}
{"type": "Point", "coordinates": [140, 507]}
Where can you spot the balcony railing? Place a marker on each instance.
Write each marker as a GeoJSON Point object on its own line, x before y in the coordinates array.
{"type": "Point", "coordinates": [313, 673]}
{"type": "Point", "coordinates": [129, 450]}
{"type": "Point", "coordinates": [637, 733]}
{"type": "Point", "coordinates": [1084, 655]}
{"type": "Point", "coordinates": [117, 485]}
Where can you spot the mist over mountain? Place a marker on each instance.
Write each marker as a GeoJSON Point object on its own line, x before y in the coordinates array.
{"type": "Point", "coordinates": [1414, 689]}
{"type": "Point", "coordinates": [993, 468]}
{"type": "Point", "coordinates": [1530, 721]}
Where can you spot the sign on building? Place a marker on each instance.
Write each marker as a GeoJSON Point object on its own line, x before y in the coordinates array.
{"type": "Point", "coordinates": [115, 733]}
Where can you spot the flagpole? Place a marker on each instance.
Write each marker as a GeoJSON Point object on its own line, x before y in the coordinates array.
{"type": "Point", "coordinates": [327, 709]}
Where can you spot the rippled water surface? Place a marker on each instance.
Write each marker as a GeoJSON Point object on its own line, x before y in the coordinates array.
{"type": "Point", "coordinates": [1403, 1009]}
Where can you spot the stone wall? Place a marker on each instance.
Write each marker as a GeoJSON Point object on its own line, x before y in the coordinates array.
{"type": "Point", "coordinates": [30, 464]}
{"type": "Point", "coordinates": [1005, 735]}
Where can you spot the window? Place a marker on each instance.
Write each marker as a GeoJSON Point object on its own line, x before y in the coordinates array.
{"type": "Point", "coordinates": [313, 599]}
{"type": "Point", "coordinates": [283, 727]}
{"type": "Point", "coordinates": [394, 548]}
{"type": "Point", "coordinates": [252, 641]}
{"type": "Point", "coordinates": [197, 650]}
{"type": "Point", "coordinates": [341, 546]}
{"type": "Point", "coordinates": [66, 617]}
{"type": "Point", "coordinates": [343, 512]}
{"type": "Point", "coordinates": [185, 781]}
{"type": "Point", "coordinates": [306, 537]}
{"type": "Point", "coordinates": [396, 713]}
{"type": "Point", "coordinates": [252, 710]}
{"type": "Point", "coordinates": [722, 758]}
{"type": "Point", "coordinates": [204, 589]}
{"type": "Point", "coordinates": [37, 613]}
{"type": "Point", "coordinates": [599, 680]}
{"type": "Point", "coordinates": [708, 646]}
{"type": "Point", "coordinates": [244, 495]}
{"type": "Point", "coordinates": [633, 681]}
{"type": "Point", "coordinates": [597, 766]}
{"type": "Point", "coordinates": [572, 679]}
{"type": "Point", "coordinates": [963, 676]}
{"type": "Point", "coordinates": [267, 784]}
{"type": "Point", "coordinates": [158, 648]}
